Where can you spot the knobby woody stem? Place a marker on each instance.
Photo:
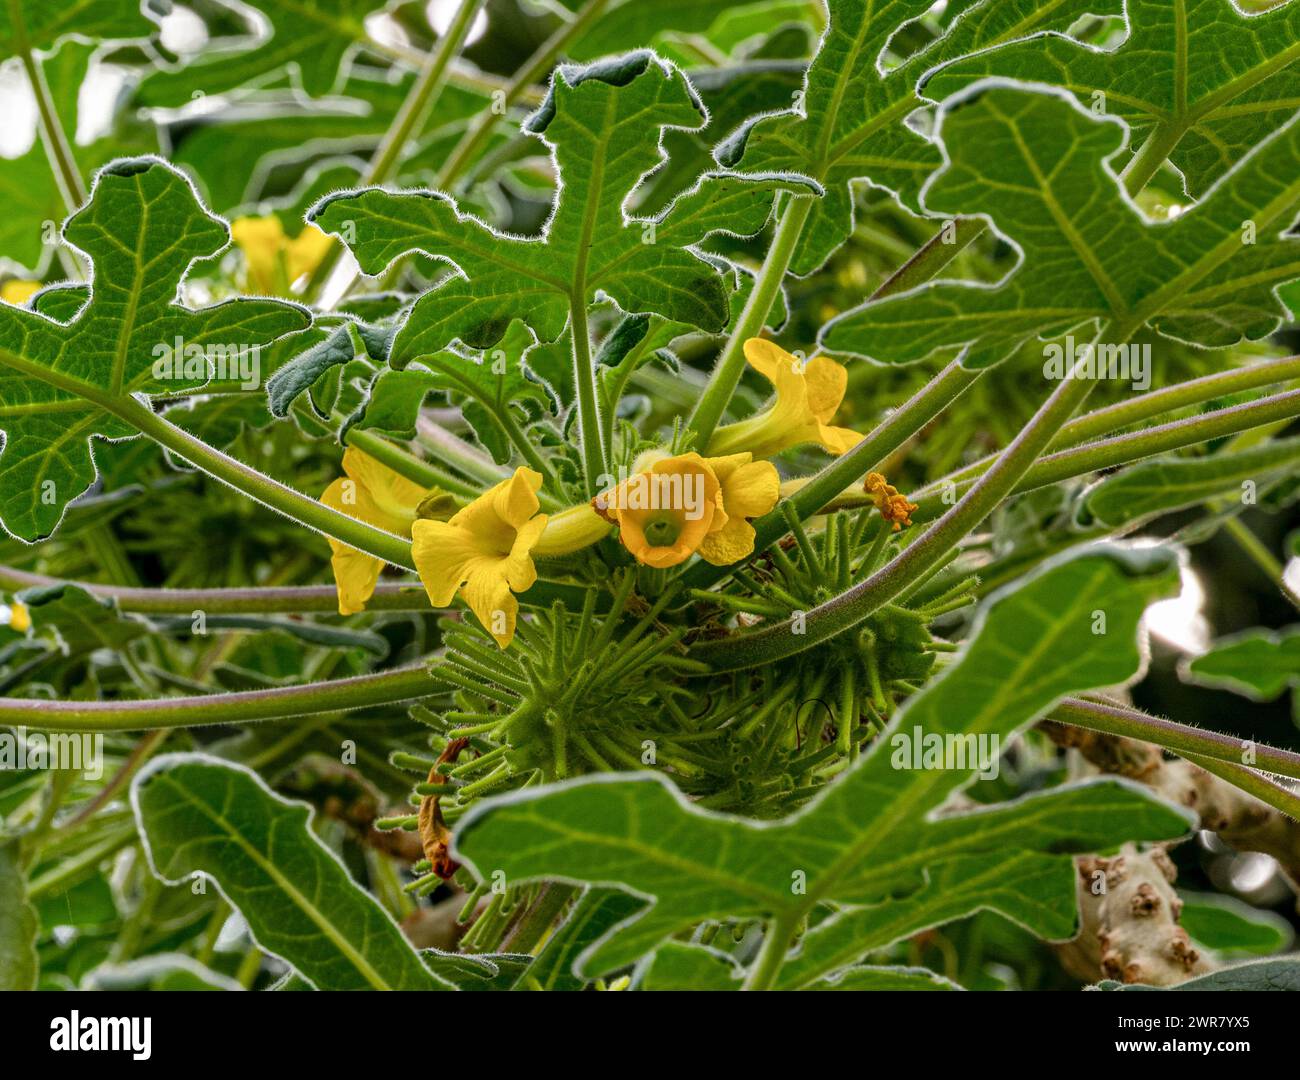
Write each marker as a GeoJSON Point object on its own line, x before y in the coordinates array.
{"type": "Point", "coordinates": [849, 608]}
{"type": "Point", "coordinates": [279, 703]}
{"type": "Point", "coordinates": [1112, 719]}
{"type": "Point", "coordinates": [535, 67]}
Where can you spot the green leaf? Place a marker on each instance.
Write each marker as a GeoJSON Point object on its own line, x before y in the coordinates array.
{"type": "Point", "coordinates": [43, 25]}
{"type": "Point", "coordinates": [872, 838]}
{"type": "Point", "coordinates": [675, 965]}
{"type": "Point", "coordinates": [1253, 975]}
{"type": "Point", "coordinates": [198, 815]}
{"type": "Point", "coordinates": [497, 971]}
{"type": "Point", "coordinates": [19, 967]}
{"type": "Point", "coordinates": [1038, 166]}
{"type": "Point", "coordinates": [603, 125]}
{"type": "Point", "coordinates": [1258, 664]}
{"type": "Point", "coordinates": [1198, 75]}
{"type": "Point", "coordinates": [64, 383]}
{"type": "Point", "coordinates": [1027, 889]}
{"type": "Point", "coordinates": [1174, 483]}
{"type": "Point", "coordinates": [308, 40]}
{"type": "Point", "coordinates": [160, 971]}
{"type": "Point", "coordinates": [33, 203]}
{"type": "Point", "coordinates": [494, 391]}
{"type": "Point", "coordinates": [77, 622]}
{"type": "Point", "coordinates": [1226, 924]}
{"type": "Point", "coordinates": [627, 24]}
{"type": "Point", "coordinates": [848, 124]}
{"type": "Point", "coordinates": [886, 978]}
{"type": "Point", "coordinates": [597, 912]}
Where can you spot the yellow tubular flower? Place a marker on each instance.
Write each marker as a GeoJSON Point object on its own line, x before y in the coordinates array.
{"type": "Point", "coordinates": [273, 260]}
{"type": "Point", "coordinates": [684, 505]}
{"type": "Point", "coordinates": [485, 552]}
{"type": "Point", "coordinates": [807, 396]}
{"type": "Point", "coordinates": [665, 512]}
{"type": "Point", "coordinates": [372, 493]}
{"type": "Point", "coordinates": [749, 490]}
{"type": "Point", "coordinates": [571, 530]}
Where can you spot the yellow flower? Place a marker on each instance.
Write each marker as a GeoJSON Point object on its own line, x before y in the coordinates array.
{"type": "Point", "coordinates": [272, 260]}
{"type": "Point", "coordinates": [16, 616]}
{"type": "Point", "coordinates": [749, 490]}
{"type": "Point", "coordinates": [372, 493]}
{"type": "Point", "coordinates": [485, 552]}
{"type": "Point", "coordinates": [807, 395]}
{"type": "Point", "coordinates": [18, 292]}
{"type": "Point", "coordinates": [893, 507]}
{"type": "Point", "coordinates": [682, 505]}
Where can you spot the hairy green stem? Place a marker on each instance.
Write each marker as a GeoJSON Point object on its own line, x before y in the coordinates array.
{"type": "Point", "coordinates": [888, 436]}
{"type": "Point", "coordinates": [584, 376]}
{"type": "Point", "coordinates": [410, 117]}
{"type": "Point", "coordinates": [1123, 449]}
{"type": "Point", "coordinates": [278, 703]}
{"type": "Point", "coordinates": [537, 65]}
{"type": "Point", "coordinates": [1151, 155]}
{"type": "Point", "coordinates": [408, 465]}
{"type": "Point", "coordinates": [273, 599]}
{"type": "Point", "coordinates": [1147, 406]}
{"type": "Point", "coordinates": [849, 608]}
{"type": "Point", "coordinates": [776, 943]}
{"type": "Point", "coordinates": [52, 134]}
{"type": "Point", "coordinates": [932, 256]}
{"type": "Point", "coordinates": [262, 488]}
{"type": "Point", "coordinates": [1258, 553]}
{"type": "Point", "coordinates": [1267, 791]}
{"type": "Point", "coordinates": [731, 364]}
{"type": "Point", "coordinates": [1112, 719]}
{"type": "Point", "coordinates": [422, 97]}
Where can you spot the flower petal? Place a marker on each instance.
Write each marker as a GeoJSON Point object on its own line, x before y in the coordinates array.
{"type": "Point", "coordinates": [825, 382]}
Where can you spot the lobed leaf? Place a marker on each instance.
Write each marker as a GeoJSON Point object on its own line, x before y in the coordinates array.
{"type": "Point", "coordinates": [61, 381]}
{"type": "Point", "coordinates": [1040, 168]}
{"type": "Point", "coordinates": [198, 815]}
{"type": "Point", "coordinates": [875, 834]}
{"type": "Point", "coordinates": [1209, 80]}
